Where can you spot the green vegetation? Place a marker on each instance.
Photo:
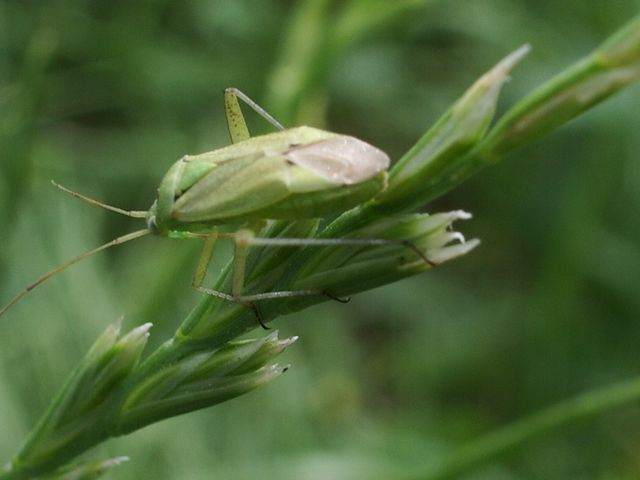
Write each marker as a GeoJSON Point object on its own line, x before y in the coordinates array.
{"type": "Point", "coordinates": [435, 376]}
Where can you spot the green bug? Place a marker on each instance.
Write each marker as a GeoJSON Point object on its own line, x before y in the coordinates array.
{"type": "Point", "coordinates": [293, 173]}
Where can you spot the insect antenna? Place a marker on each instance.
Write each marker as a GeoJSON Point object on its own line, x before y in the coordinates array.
{"type": "Point", "coordinates": [116, 241]}
{"type": "Point", "coordinates": [91, 201]}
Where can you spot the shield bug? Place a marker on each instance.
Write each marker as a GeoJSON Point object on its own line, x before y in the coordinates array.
{"type": "Point", "coordinates": [290, 174]}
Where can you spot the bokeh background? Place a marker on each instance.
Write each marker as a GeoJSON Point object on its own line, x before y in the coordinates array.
{"type": "Point", "coordinates": [104, 96]}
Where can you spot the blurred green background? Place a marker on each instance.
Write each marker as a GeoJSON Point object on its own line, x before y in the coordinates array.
{"type": "Point", "coordinates": [104, 96]}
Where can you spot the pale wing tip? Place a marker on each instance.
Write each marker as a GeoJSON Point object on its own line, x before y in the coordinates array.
{"type": "Point", "coordinates": [341, 159]}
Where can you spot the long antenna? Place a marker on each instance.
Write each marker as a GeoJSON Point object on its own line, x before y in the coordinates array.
{"type": "Point", "coordinates": [68, 263]}
{"type": "Point", "coordinates": [91, 201]}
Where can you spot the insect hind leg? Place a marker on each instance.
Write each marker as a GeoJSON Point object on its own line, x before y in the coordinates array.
{"type": "Point", "coordinates": [231, 298]}
{"type": "Point", "coordinates": [238, 130]}
{"type": "Point", "coordinates": [245, 239]}
{"type": "Point", "coordinates": [356, 242]}
{"type": "Point", "coordinates": [249, 301]}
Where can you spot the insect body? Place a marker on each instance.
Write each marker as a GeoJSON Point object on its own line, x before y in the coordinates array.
{"type": "Point", "coordinates": [290, 174]}
{"type": "Point", "coordinates": [298, 173]}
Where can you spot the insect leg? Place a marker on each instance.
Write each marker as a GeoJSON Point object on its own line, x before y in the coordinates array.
{"type": "Point", "coordinates": [244, 239]}
{"type": "Point", "coordinates": [205, 258]}
{"type": "Point", "coordinates": [292, 293]}
{"type": "Point", "coordinates": [250, 240]}
{"type": "Point", "coordinates": [238, 279]}
{"type": "Point", "coordinates": [238, 130]}
{"type": "Point", "coordinates": [236, 123]}
{"type": "Point", "coordinates": [241, 240]}
{"type": "Point", "coordinates": [323, 242]}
